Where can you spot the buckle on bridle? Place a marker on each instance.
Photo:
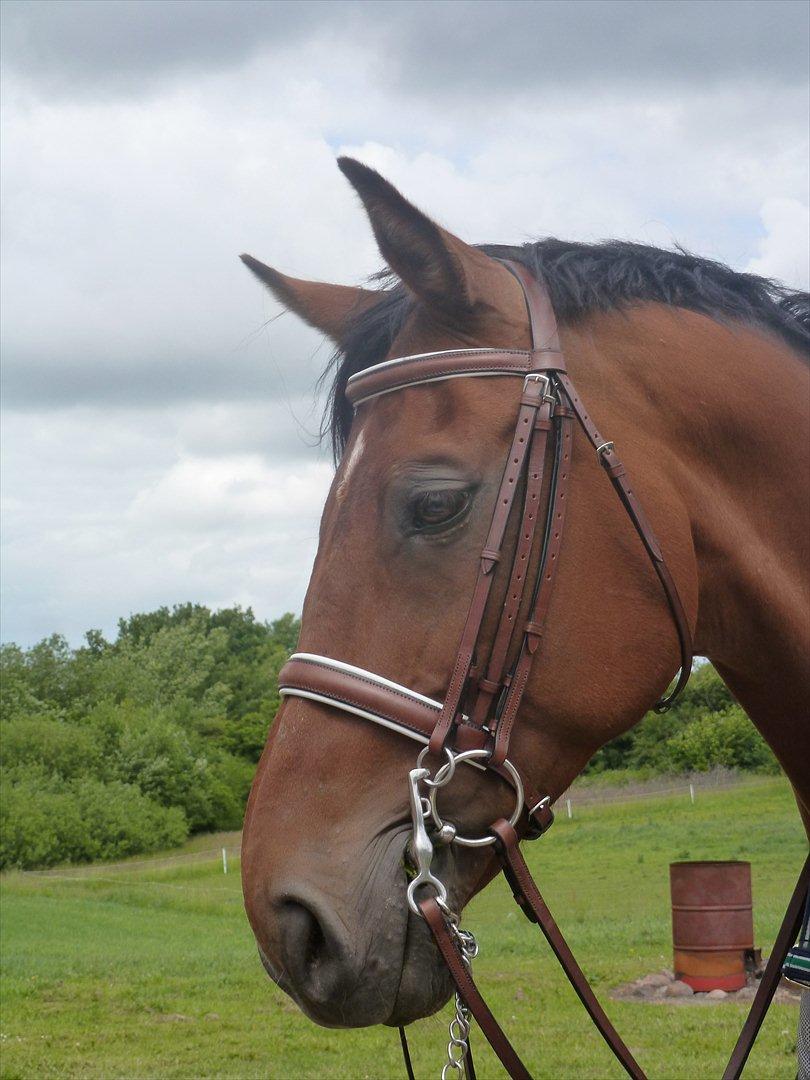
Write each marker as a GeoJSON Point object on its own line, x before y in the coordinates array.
{"type": "Point", "coordinates": [538, 827]}
{"type": "Point", "coordinates": [605, 448]}
{"type": "Point", "coordinates": [538, 377]}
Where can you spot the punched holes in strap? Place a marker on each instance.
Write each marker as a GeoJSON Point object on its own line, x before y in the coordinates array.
{"type": "Point", "coordinates": [519, 575]}
{"type": "Point", "coordinates": [542, 599]}
{"type": "Point", "coordinates": [533, 393]}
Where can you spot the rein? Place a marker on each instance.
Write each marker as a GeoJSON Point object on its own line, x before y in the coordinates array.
{"type": "Point", "coordinates": [474, 723]}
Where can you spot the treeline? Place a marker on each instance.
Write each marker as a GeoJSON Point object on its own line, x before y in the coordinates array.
{"type": "Point", "coordinates": [128, 746]}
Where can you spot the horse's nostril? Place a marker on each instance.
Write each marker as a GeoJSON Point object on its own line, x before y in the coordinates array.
{"type": "Point", "coordinates": [315, 959]}
{"type": "Point", "coordinates": [303, 938]}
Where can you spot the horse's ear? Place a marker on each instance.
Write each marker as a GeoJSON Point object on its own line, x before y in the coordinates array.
{"type": "Point", "coordinates": [329, 308]}
{"type": "Point", "coordinates": [435, 265]}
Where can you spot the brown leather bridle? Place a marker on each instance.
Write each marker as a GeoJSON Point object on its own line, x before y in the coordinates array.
{"type": "Point", "coordinates": [483, 699]}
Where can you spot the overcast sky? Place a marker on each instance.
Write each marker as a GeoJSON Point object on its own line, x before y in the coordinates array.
{"type": "Point", "coordinates": [158, 419]}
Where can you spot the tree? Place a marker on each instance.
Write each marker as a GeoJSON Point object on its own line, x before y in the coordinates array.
{"type": "Point", "coordinates": [126, 745]}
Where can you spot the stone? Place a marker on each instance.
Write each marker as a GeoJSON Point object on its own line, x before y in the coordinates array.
{"type": "Point", "coordinates": [716, 995]}
{"type": "Point", "coordinates": [655, 979]}
{"type": "Point", "coordinates": [678, 989]}
{"type": "Point", "coordinates": [747, 993]}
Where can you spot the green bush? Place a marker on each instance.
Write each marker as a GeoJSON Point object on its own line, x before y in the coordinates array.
{"type": "Point", "coordinates": [17, 697]}
{"type": "Point", "coordinates": [245, 737]}
{"type": "Point", "coordinates": [725, 738]}
{"type": "Point", "coordinates": [126, 745]}
{"type": "Point", "coordinates": [85, 820]}
{"type": "Point", "coordinates": [60, 749]}
{"type": "Point", "coordinates": [229, 780]}
{"type": "Point", "coordinates": [177, 769]}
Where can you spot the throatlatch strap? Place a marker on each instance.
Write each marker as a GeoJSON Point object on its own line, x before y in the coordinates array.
{"type": "Point", "coordinates": [609, 460]}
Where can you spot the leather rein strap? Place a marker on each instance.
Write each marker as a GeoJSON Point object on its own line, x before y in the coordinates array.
{"type": "Point", "coordinates": [528, 898]}
{"type": "Point", "coordinates": [535, 909]}
{"type": "Point", "coordinates": [492, 692]}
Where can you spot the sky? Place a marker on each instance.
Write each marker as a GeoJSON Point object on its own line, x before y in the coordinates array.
{"type": "Point", "coordinates": [160, 411]}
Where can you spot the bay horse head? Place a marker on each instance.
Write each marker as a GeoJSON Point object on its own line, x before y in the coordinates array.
{"type": "Point", "coordinates": [403, 547]}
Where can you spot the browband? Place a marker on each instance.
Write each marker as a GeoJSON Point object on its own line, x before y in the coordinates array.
{"type": "Point", "coordinates": [422, 368]}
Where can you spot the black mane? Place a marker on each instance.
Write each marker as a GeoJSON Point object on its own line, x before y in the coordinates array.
{"type": "Point", "coordinates": [583, 278]}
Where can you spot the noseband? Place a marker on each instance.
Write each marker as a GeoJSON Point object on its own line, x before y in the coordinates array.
{"type": "Point", "coordinates": [474, 723]}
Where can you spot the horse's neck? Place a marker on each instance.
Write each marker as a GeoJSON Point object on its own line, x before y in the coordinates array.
{"type": "Point", "coordinates": [729, 407]}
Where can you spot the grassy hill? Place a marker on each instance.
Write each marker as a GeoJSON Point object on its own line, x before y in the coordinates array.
{"type": "Point", "coordinates": [149, 970]}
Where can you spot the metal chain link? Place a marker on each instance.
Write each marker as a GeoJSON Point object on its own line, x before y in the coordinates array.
{"type": "Point", "coordinates": [459, 1028]}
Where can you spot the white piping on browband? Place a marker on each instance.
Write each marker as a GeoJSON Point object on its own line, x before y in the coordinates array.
{"type": "Point", "coordinates": [340, 665]}
{"type": "Point", "coordinates": [344, 707]}
{"type": "Point", "coordinates": [392, 725]}
{"type": "Point", "coordinates": [425, 356]}
{"type": "Point", "coordinates": [436, 378]}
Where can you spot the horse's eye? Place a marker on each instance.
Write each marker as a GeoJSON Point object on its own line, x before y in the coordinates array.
{"type": "Point", "coordinates": [432, 509]}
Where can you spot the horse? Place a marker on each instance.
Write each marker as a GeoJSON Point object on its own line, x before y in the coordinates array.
{"type": "Point", "coordinates": [700, 376]}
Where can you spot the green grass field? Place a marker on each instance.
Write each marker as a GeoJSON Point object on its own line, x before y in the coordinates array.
{"type": "Point", "coordinates": [152, 972]}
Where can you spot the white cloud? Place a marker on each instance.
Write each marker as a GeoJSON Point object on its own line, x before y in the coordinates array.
{"type": "Point", "coordinates": [199, 495]}
{"type": "Point", "coordinates": [111, 512]}
{"type": "Point", "coordinates": [784, 251]}
{"type": "Point", "coordinates": [156, 415]}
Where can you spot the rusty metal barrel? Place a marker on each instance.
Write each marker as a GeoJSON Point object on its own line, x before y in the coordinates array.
{"type": "Point", "coordinates": [712, 923]}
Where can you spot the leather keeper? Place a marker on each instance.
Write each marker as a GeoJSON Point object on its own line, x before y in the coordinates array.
{"type": "Point", "coordinates": [524, 905]}
{"type": "Point", "coordinates": [546, 360]}
{"type": "Point", "coordinates": [539, 822]}
{"type": "Point", "coordinates": [489, 686]}
{"type": "Point", "coordinates": [517, 892]}
{"type": "Point", "coordinates": [531, 396]}
{"type": "Point", "coordinates": [489, 560]}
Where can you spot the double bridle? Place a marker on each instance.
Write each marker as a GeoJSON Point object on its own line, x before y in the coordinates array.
{"type": "Point", "coordinates": [474, 722]}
